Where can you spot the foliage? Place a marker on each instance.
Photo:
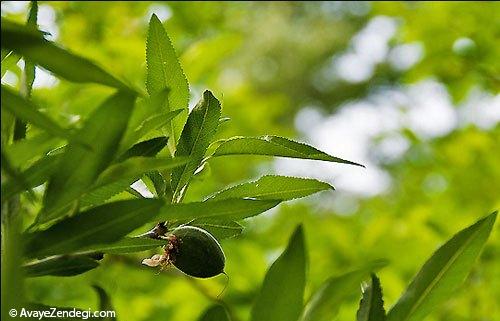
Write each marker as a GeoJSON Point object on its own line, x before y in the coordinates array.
{"type": "Point", "coordinates": [69, 184]}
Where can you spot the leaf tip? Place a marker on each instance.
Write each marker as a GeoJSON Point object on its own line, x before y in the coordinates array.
{"type": "Point", "coordinates": [207, 94]}
{"type": "Point", "coordinates": [154, 19]}
{"type": "Point", "coordinates": [330, 186]}
{"type": "Point", "coordinates": [298, 232]}
{"type": "Point", "coordinates": [492, 217]}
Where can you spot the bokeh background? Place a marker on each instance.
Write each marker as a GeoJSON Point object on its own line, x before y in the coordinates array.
{"type": "Point", "coordinates": [410, 89]}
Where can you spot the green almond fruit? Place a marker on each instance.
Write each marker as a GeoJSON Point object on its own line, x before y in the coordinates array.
{"type": "Point", "coordinates": [197, 253]}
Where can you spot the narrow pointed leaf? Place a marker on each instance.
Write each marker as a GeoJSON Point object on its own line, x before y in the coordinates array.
{"type": "Point", "coordinates": [158, 181]}
{"type": "Point", "coordinates": [27, 76]}
{"type": "Point", "coordinates": [15, 177]}
{"type": "Point", "coordinates": [195, 138]}
{"type": "Point", "coordinates": [282, 293]}
{"type": "Point", "coordinates": [67, 265]}
{"type": "Point", "coordinates": [34, 176]}
{"type": "Point", "coordinates": [230, 209]}
{"type": "Point", "coordinates": [23, 151]}
{"type": "Point", "coordinates": [274, 188]}
{"type": "Point", "coordinates": [30, 44]}
{"type": "Point", "coordinates": [147, 148]}
{"type": "Point", "coordinates": [25, 110]}
{"type": "Point", "coordinates": [155, 122]}
{"type": "Point", "coordinates": [99, 225]}
{"type": "Point", "coordinates": [371, 307]}
{"type": "Point", "coordinates": [326, 301]}
{"type": "Point", "coordinates": [440, 276]}
{"type": "Point", "coordinates": [9, 62]}
{"type": "Point", "coordinates": [100, 195]}
{"type": "Point", "coordinates": [274, 146]}
{"type": "Point", "coordinates": [145, 108]}
{"type": "Point", "coordinates": [33, 14]}
{"type": "Point", "coordinates": [29, 67]}
{"type": "Point", "coordinates": [165, 71]}
{"type": "Point", "coordinates": [134, 167]}
{"type": "Point", "coordinates": [80, 167]}
{"type": "Point", "coordinates": [4, 53]}
{"type": "Point", "coordinates": [125, 246]}
{"type": "Point", "coordinates": [215, 313]}
{"type": "Point", "coordinates": [147, 126]}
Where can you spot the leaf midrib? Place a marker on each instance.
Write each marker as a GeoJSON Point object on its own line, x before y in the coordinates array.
{"type": "Point", "coordinates": [242, 210]}
{"type": "Point", "coordinates": [280, 192]}
{"type": "Point", "coordinates": [286, 147]}
{"type": "Point", "coordinates": [219, 226]}
{"type": "Point", "coordinates": [156, 38]}
{"type": "Point", "coordinates": [262, 139]}
{"type": "Point", "coordinates": [192, 147]}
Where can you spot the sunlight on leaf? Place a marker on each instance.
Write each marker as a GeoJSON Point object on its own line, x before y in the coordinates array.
{"type": "Point", "coordinates": [282, 294]}
{"type": "Point", "coordinates": [165, 71]}
{"type": "Point", "coordinates": [443, 272]}
{"type": "Point", "coordinates": [274, 146]}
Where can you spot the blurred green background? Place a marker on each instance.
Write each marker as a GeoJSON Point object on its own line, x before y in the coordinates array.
{"type": "Point", "coordinates": [411, 90]}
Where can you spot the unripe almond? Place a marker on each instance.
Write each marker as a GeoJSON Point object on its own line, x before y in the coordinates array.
{"type": "Point", "coordinates": [196, 252]}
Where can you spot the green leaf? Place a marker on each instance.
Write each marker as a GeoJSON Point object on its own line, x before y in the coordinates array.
{"type": "Point", "coordinates": [100, 195]}
{"type": "Point", "coordinates": [7, 125]}
{"type": "Point", "coordinates": [33, 14]}
{"type": "Point", "coordinates": [371, 307]}
{"type": "Point", "coordinates": [274, 146]}
{"type": "Point", "coordinates": [220, 229]}
{"type": "Point", "coordinates": [79, 167]}
{"type": "Point", "coordinates": [195, 138]}
{"type": "Point", "coordinates": [147, 148]}
{"type": "Point", "coordinates": [440, 276]}
{"type": "Point", "coordinates": [34, 176]}
{"type": "Point", "coordinates": [326, 301]}
{"type": "Point", "coordinates": [152, 123]}
{"type": "Point", "coordinates": [9, 62]}
{"type": "Point", "coordinates": [67, 265]}
{"type": "Point", "coordinates": [230, 209]}
{"type": "Point", "coordinates": [215, 313]}
{"type": "Point", "coordinates": [104, 301]}
{"type": "Point", "coordinates": [29, 67]}
{"type": "Point", "coordinates": [4, 53]}
{"type": "Point", "coordinates": [25, 110]}
{"type": "Point", "coordinates": [15, 178]}
{"type": "Point", "coordinates": [274, 188]}
{"type": "Point", "coordinates": [282, 293]}
{"type": "Point", "coordinates": [134, 167]}
{"type": "Point", "coordinates": [30, 44]}
{"type": "Point", "coordinates": [99, 225]}
{"type": "Point", "coordinates": [158, 181]}
{"type": "Point", "coordinates": [23, 151]}
{"type": "Point", "coordinates": [145, 108]}
{"type": "Point", "coordinates": [125, 246]}
{"type": "Point", "coordinates": [165, 71]}
{"type": "Point", "coordinates": [27, 77]}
